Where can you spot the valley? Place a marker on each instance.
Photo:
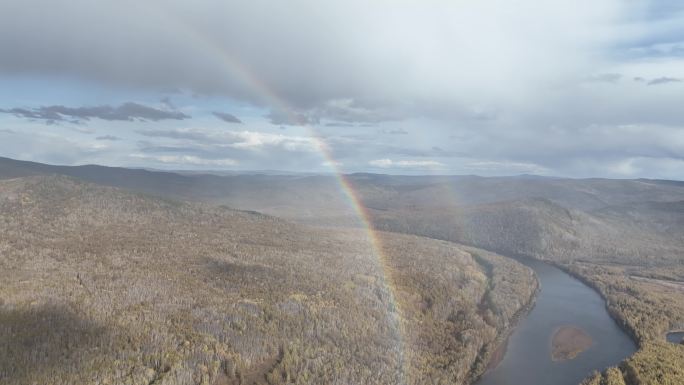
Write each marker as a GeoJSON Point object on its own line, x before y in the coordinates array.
{"type": "Point", "coordinates": [622, 238]}
{"type": "Point", "coordinates": [566, 336]}
{"type": "Point", "coordinates": [342, 192]}
{"type": "Point", "coordinates": [101, 285]}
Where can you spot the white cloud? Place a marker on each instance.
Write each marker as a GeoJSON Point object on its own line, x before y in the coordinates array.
{"type": "Point", "coordinates": [186, 160]}
{"type": "Point", "coordinates": [454, 54]}
{"type": "Point", "coordinates": [639, 166]}
{"type": "Point", "coordinates": [260, 140]}
{"type": "Point", "coordinates": [506, 81]}
{"type": "Point", "coordinates": [624, 167]}
{"type": "Point", "coordinates": [504, 167]}
{"type": "Point", "coordinates": [332, 164]}
{"type": "Point", "coordinates": [245, 140]}
{"type": "Point", "coordinates": [415, 164]}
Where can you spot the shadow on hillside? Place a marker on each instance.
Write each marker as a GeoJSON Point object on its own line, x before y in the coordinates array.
{"type": "Point", "coordinates": [244, 274]}
{"type": "Point", "coordinates": [41, 339]}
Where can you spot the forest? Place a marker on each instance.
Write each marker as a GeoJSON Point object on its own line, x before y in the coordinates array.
{"type": "Point", "coordinates": [69, 239]}
{"type": "Point", "coordinates": [630, 254]}
{"type": "Point", "coordinates": [105, 286]}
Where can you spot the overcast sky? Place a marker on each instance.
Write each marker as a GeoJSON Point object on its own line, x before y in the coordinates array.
{"type": "Point", "coordinates": [492, 87]}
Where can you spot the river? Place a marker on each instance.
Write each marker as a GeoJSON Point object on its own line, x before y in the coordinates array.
{"type": "Point", "coordinates": [675, 337]}
{"type": "Point", "coordinates": [562, 301]}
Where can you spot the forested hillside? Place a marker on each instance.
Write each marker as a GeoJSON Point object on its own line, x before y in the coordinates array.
{"type": "Point", "coordinates": [632, 254]}
{"type": "Point", "coordinates": [623, 237]}
{"type": "Point", "coordinates": [105, 286]}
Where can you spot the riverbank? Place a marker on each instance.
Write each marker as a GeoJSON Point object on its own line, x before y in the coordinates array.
{"type": "Point", "coordinates": [501, 343]}
{"type": "Point", "coordinates": [644, 311]}
{"type": "Point", "coordinates": [562, 301]}
{"type": "Point", "coordinates": [614, 314]}
{"type": "Point", "coordinates": [495, 356]}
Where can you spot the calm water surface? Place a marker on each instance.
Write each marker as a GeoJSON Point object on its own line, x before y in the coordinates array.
{"type": "Point", "coordinates": [563, 300]}
{"type": "Point", "coordinates": [675, 337]}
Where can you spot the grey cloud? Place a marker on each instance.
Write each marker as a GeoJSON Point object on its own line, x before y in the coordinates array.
{"type": "Point", "coordinates": [529, 102]}
{"type": "Point", "coordinates": [168, 103]}
{"type": "Point", "coordinates": [147, 147]}
{"type": "Point", "coordinates": [339, 124]}
{"type": "Point", "coordinates": [49, 116]}
{"type": "Point", "coordinates": [364, 110]}
{"type": "Point", "coordinates": [185, 149]}
{"type": "Point", "coordinates": [194, 135]}
{"type": "Point", "coordinates": [108, 137]}
{"type": "Point", "coordinates": [439, 151]}
{"type": "Point", "coordinates": [659, 49]}
{"type": "Point", "coordinates": [369, 73]}
{"type": "Point", "coordinates": [226, 117]}
{"type": "Point", "coordinates": [290, 119]}
{"type": "Point", "coordinates": [396, 131]}
{"type": "Point", "coordinates": [125, 112]}
{"type": "Point", "coordinates": [367, 146]}
{"type": "Point", "coordinates": [574, 150]}
{"type": "Point", "coordinates": [663, 80]}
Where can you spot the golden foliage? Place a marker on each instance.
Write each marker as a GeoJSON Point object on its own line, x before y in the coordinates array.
{"type": "Point", "coordinates": [104, 286]}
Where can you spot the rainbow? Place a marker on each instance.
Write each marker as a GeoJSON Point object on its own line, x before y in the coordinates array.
{"type": "Point", "coordinates": [237, 70]}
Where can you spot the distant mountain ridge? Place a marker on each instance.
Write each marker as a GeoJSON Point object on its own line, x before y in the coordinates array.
{"type": "Point", "coordinates": [321, 196]}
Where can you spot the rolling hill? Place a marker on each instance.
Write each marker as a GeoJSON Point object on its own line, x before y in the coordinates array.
{"type": "Point", "coordinates": [318, 198]}
{"type": "Point", "coordinates": [625, 238]}
{"type": "Point", "coordinates": [102, 285]}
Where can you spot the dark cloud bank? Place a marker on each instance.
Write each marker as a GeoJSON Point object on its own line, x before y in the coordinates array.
{"type": "Point", "coordinates": [125, 112]}
{"type": "Point", "coordinates": [226, 117]}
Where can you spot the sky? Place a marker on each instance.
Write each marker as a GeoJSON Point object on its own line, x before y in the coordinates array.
{"type": "Point", "coordinates": [490, 87]}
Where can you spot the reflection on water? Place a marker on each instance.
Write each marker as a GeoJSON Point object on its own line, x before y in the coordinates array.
{"type": "Point", "coordinates": [563, 300]}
